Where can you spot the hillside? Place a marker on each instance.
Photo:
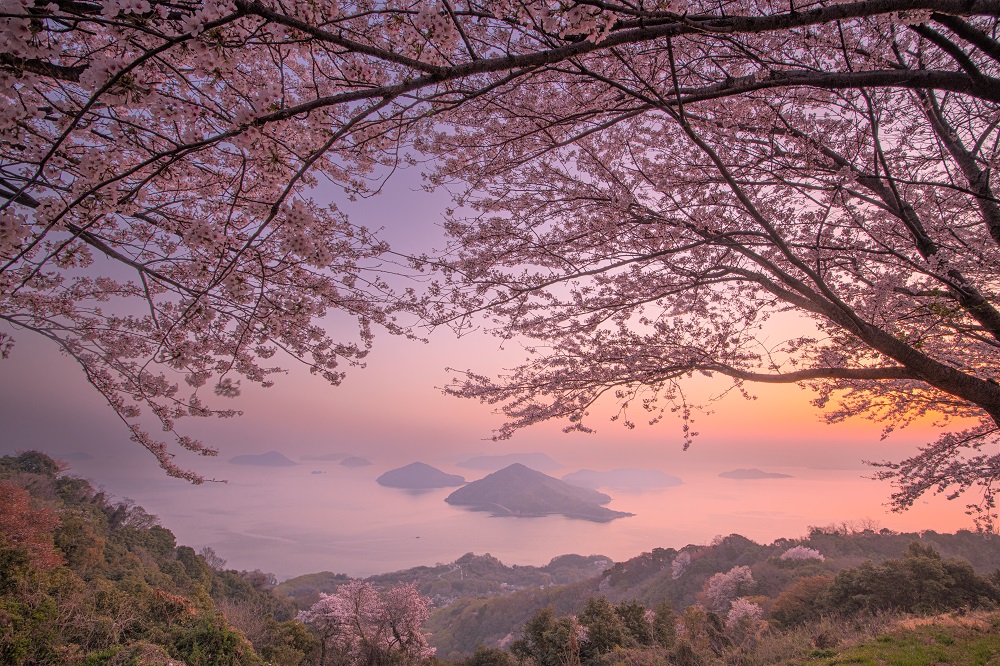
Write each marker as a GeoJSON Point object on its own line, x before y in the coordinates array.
{"type": "Point", "coordinates": [89, 580]}
{"type": "Point", "coordinates": [469, 577]}
{"type": "Point", "coordinates": [752, 474]}
{"type": "Point", "coordinates": [519, 491]}
{"type": "Point", "coordinates": [680, 576]}
{"type": "Point", "coordinates": [957, 639]}
{"type": "Point", "coordinates": [86, 579]}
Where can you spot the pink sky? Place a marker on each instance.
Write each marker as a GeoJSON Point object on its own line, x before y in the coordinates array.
{"type": "Point", "coordinates": [392, 413]}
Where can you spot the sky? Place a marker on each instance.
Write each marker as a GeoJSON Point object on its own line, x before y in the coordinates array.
{"type": "Point", "coordinates": [323, 516]}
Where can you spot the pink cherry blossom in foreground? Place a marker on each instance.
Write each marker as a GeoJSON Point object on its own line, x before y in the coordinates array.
{"type": "Point", "coordinates": [640, 189]}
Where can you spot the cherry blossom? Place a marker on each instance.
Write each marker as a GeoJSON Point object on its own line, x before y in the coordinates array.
{"type": "Point", "coordinates": [802, 553]}
{"type": "Point", "coordinates": [362, 625]}
{"type": "Point", "coordinates": [722, 589]}
{"type": "Point", "coordinates": [640, 189]}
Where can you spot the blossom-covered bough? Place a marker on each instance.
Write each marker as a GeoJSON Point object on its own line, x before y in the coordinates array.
{"type": "Point", "coordinates": [641, 186]}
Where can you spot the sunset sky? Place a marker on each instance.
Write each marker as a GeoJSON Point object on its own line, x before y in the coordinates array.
{"type": "Point", "coordinates": [296, 520]}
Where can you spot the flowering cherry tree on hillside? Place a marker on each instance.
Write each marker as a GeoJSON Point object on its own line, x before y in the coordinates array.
{"type": "Point", "coordinates": [722, 589]}
{"type": "Point", "coordinates": [363, 626]}
{"type": "Point", "coordinates": [802, 553]}
{"type": "Point", "coordinates": [640, 187]}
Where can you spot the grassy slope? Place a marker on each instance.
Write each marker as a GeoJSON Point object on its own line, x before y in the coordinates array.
{"type": "Point", "coordinates": [969, 640]}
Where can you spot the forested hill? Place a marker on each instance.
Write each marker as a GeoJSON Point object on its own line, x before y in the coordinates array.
{"type": "Point", "coordinates": [90, 580]}
{"type": "Point", "coordinates": [87, 579]}
{"type": "Point", "coordinates": [470, 576]}
{"type": "Point", "coordinates": [680, 577]}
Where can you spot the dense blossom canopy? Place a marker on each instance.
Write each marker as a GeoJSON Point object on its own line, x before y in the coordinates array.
{"type": "Point", "coordinates": [360, 624]}
{"type": "Point", "coordinates": [641, 186]}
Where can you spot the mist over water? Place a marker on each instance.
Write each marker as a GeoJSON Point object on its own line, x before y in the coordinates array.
{"type": "Point", "coordinates": [292, 520]}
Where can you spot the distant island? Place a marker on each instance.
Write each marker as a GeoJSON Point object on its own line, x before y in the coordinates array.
{"type": "Point", "coordinates": [269, 459]}
{"type": "Point", "coordinates": [327, 457]}
{"type": "Point", "coordinates": [355, 461]}
{"type": "Point", "coordinates": [623, 478]}
{"type": "Point", "coordinates": [76, 456]}
{"type": "Point", "coordinates": [519, 491]}
{"type": "Point", "coordinates": [538, 461]}
{"type": "Point", "coordinates": [753, 473]}
{"type": "Point", "coordinates": [419, 476]}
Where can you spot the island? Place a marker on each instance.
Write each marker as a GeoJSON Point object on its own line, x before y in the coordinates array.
{"type": "Point", "coordinates": [753, 473]}
{"type": "Point", "coordinates": [269, 459]}
{"type": "Point", "coordinates": [538, 461]}
{"type": "Point", "coordinates": [355, 461]}
{"type": "Point", "coordinates": [419, 476]}
{"type": "Point", "coordinates": [522, 492]}
{"type": "Point", "coordinates": [623, 478]}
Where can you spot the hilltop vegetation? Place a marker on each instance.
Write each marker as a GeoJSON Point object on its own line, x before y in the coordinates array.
{"type": "Point", "coordinates": [470, 576]}
{"type": "Point", "coordinates": [89, 580]}
{"type": "Point", "coordinates": [736, 621]}
{"type": "Point", "coordinates": [785, 580]}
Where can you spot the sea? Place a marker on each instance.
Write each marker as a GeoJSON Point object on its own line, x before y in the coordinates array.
{"type": "Point", "coordinates": [322, 516]}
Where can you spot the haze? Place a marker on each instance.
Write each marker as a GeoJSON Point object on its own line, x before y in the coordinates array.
{"type": "Point", "coordinates": [319, 515]}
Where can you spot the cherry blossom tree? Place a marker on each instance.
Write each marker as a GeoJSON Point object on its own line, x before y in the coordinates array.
{"type": "Point", "coordinates": [368, 627]}
{"type": "Point", "coordinates": [640, 187]}
{"type": "Point", "coordinates": [641, 212]}
{"type": "Point", "coordinates": [157, 223]}
{"type": "Point", "coordinates": [802, 553]}
{"type": "Point", "coordinates": [745, 623]}
{"type": "Point", "coordinates": [723, 588]}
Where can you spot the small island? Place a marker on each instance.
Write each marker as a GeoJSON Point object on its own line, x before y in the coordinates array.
{"type": "Point", "coordinates": [326, 457]}
{"type": "Point", "coordinates": [537, 461]}
{"type": "Point", "coordinates": [355, 461]}
{"type": "Point", "coordinates": [753, 473]}
{"type": "Point", "coordinates": [419, 476]}
{"type": "Point", "coordinates": [269, 459]}
{"type": "Point", "coordinates": [522, 492]}
{"type": "Point", "coordinates": [623, 478]}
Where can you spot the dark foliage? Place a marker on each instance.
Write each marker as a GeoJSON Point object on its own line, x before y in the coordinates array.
{"type": "Point", "coordinates": [920, 582]}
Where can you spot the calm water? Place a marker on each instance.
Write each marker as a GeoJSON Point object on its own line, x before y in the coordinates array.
{"type": "Point", "coordinates": [292, 521]}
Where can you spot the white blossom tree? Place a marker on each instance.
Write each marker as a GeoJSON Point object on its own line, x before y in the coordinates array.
{"type": "Point", "coordinates": [745, 623]}
{"type": "Point", "coordinates": [802, 553]}
{"type": "Point", "coordinates": [722, 589]}
{"type": "Point", "coordinates": [364, 626]}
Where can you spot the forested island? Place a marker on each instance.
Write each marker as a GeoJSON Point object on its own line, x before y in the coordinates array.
{"type": "Point", "coordinates": [419, 476]}
{"type": "Point", "coordinates": [519, 491]}
{"type": "Point", "coordinates": [91, 580]}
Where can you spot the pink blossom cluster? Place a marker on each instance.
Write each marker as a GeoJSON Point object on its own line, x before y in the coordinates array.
{"type": "Point", "coordinates": [641, 190]}
{"type": "Point", "coordinates": [362, 624]}
{"type": "Point", "coordinates": [13, 231]}
{"type": "Point", "coordinates": [745, 622]}
{"type": "Point", "coordinates": [802, 553]}
{"type": "Point", "coordinates": [679, 564]}
{"type": "Point", "coordinates": [722, 589]}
